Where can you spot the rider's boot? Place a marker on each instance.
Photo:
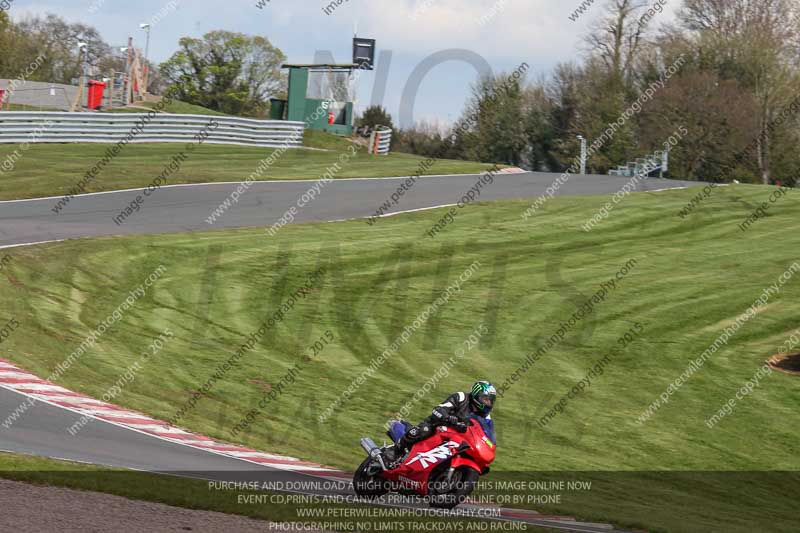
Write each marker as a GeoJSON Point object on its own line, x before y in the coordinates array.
{"type": "Point", "coordinates": [398, 451]}
{"type": "Point", "coordinates": [392, 453]}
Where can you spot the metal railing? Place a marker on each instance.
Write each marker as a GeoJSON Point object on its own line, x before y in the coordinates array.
{"type": "Point", "coordinates": [644, 166]}
{"type": "Point", "coordinates": [380, 142]}
{"type": "Point", "coordinates": [55, 127]}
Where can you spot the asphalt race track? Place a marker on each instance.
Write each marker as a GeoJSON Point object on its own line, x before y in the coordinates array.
{"type": "Point", "coordinates": [185, 208]}
{"type": "Point", "coordinates": [42, 430]}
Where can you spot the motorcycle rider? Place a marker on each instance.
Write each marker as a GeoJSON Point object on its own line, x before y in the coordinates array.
{"type": "Point", "coordinates": [454, 412]}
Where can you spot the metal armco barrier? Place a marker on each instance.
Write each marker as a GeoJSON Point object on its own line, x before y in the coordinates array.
{"type": "Point", "coordinates": [54, 127]}
{"type": "Point", "coordinates": [380, 141]}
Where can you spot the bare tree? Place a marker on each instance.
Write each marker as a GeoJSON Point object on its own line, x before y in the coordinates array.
{"type": "Point", "coordinates": [751, 41]}
{"type": "Point", "coordinates": [56, 40]}
{"type": "Point", "coordinates": [618, 36]}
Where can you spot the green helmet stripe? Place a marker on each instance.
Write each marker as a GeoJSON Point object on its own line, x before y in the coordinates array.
{"type": "Point", "coordinates": [479, 387]}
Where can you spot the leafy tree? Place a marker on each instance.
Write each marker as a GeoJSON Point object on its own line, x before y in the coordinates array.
{"type": "Point", "coordinates": [538, 111]}
{"type": "Point", "coordinates": [56, 41]}
{"type": "Point", "coordinates": [423, 139]}
{"type": "Point", "coordinates": [226, 71]}
{"type": "Point", "coordinates": [752, 42]}
{"type": "Point", "coordinates": [496, 130]}
{"type": "Point", "coordinates": [6, 38]}
{"type": "Point", "coordinates": [740, 73]}
{"type": "Point", "coordinates": [375, 116]}
{"type": "Point", "coordinates": [564, 91]}
{"type": "Point", "coordinates": [719, 118]}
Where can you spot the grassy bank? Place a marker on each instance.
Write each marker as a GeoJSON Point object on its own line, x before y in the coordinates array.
{"type": "Point", "coordinates": [690, 280]}
{"type": "Point", "coordinates": [53, 169]}
{"type": "Point", "coordinates": [181, 108]}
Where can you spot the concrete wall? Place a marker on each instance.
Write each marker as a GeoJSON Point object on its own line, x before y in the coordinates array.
{"type": "Point", "coordinates": [37, 94]}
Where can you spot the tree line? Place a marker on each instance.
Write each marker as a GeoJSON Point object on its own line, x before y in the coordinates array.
{"type": "Point", "coordinates": [736, 94]}
{"type": "Point", "coordinates": [225, 71]}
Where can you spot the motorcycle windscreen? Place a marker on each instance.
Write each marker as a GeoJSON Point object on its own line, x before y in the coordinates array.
{"type": "Point", "coordinates": [487, 426]}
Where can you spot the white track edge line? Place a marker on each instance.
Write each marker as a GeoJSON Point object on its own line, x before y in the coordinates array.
{"type": "Point", "coordinates": [552, 524]}
{"type": "Point", "coordinates": [205, 184]}
{"type": "Point", "coordinates": [215, 452]}
{"type": "Point", "coordinates": [29, 243]}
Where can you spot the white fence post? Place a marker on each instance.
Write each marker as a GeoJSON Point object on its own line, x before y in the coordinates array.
{"type": "Point", "coordinates": [381, 142]}
{"type": "Point", "coordinates": [583, 154]}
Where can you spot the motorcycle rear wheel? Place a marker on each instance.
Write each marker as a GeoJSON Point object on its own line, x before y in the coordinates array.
{"type": "Point", "coordinates": [369, 485]}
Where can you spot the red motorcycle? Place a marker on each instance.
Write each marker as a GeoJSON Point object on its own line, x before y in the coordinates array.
{"type": "Point", "coordinates": [442, 468]}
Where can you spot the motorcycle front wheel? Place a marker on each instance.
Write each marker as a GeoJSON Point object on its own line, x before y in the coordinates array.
{"type": "Point", "coordinates": [461, 485]}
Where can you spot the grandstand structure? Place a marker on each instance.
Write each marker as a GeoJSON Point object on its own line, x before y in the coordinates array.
{"type": "Point", "coordinates": [645, 166]}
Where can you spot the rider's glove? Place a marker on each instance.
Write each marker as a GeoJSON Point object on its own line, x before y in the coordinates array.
{"type": "Point", "coordinates": [453, 421]}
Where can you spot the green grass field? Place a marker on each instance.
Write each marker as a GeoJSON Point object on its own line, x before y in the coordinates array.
{"type": "Point", "coordinates": [25, 107]}
{"type": "Point", "coordinates": [692, 279]}
{"type": "Point", "coordinates": [175, 106]}
{"type": "Point", "coordinates": [178, 107]}
{"type": "Point", "coordinates": [52, 169]}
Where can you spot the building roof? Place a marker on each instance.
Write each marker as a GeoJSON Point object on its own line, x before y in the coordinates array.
{"type": "Point", "coordinates": [321, 66]}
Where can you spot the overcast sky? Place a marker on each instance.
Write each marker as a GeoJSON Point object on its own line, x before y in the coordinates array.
{"type": "Point", "coordinates": [503, 32]}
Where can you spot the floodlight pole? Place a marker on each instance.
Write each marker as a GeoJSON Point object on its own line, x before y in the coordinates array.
{"type": "Point", "coordinates": [146, 27]}
{"type": "Point", "coordinates": [127, 82]}
{"type": "Point", "coordinates": [84, 51]}
{"type": "Point", "coordinates": [583, 153]}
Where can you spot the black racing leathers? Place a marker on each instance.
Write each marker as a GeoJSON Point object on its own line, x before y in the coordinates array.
{"type": "Point", "coordinates": [451, 412]}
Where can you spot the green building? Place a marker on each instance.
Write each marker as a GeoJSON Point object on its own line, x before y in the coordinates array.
{"type": "Point", "coordinates": [320, 95]}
